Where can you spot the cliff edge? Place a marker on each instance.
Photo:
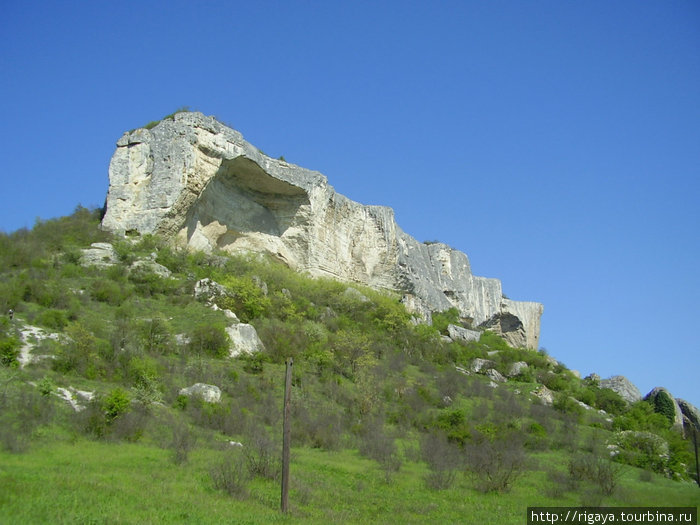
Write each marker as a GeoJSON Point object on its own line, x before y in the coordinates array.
{"type": "Point", "coordinates": [198, 182]}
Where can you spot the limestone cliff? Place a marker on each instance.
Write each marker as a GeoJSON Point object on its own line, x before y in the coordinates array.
{"type": "Point", "coordinates": [196, 181]}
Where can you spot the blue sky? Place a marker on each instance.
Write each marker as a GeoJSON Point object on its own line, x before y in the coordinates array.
{"type": "Point", "coordinates": [556, 143]}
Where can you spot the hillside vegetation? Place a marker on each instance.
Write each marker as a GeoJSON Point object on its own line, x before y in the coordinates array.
{"type": "Point", "coordinates": [390, 423]}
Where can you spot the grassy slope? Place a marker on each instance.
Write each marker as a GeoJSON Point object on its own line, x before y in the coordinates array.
{"type": "Point", "coordinates": [97, 482]}
{"type": "Point", "coordinates": [400, 375]}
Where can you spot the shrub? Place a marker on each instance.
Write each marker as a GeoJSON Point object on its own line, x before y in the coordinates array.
{"type": "Point", "coordinates": [495, 464]}
{"type": "Point", "coordinates": [231, 474]}
{"type": "Point", "coordinates": [610, 401]}
{"type": "Point", "coordinates": [183, 441]}
{"type": "Point", "coordinates": [211, 340]}
{"type": "Point", "coordinates": [595, 466]}
{"type": "Point", "coordinates": [154, 335]}
{"type": "Point", "coordinates": [441, 320]}
{"type": "Point", "coordinates": [52, 318]}
{"type": "Point", "coordinates": [262, 455]}
{"type": "Point", "coordinates": [9, 352]}
{"type": "Point", "coordinates": [443, 459]}
{"type": "Point", "coordinates": [115, 404]}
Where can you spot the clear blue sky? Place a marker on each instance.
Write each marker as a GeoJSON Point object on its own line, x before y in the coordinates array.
{"type": "Point", "coordinates": [556, 143]}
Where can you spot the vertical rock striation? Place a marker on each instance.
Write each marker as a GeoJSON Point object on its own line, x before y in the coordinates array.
{"type": "Point", "coordinates": [196, 181]}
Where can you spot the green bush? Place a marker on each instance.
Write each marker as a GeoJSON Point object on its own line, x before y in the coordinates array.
{"type": "Point", "coordinates": [441, 320]}
{"type": "Point", "coordinates": [664, 405]}
{"type": "Point", "coordinates": [115, 404]}
{"type": "Point", "coordinates": [211, 340]}
{"type": "Point", "coordinates": [52, 318]}
{"type": "Point", "coordinates": [9, 352]}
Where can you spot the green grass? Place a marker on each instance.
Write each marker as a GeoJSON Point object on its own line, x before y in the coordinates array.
{"type": "Point", "coordinates": [117, 483]}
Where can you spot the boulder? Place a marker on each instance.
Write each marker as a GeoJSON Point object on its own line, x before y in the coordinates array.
{"type": "Point", "coordinates": [198, 183]}
{"type": "Point", "coordinates": [478, 365]}
{"type": "Point", "coordinates": [458, 333]}
{"type": "Point", "coordinates": [150, 266]}
{"type": "Point", "coordinates": [208, 393]}
{"type": "Point", "coordinates": [244, 339]}
{"type": "Point", "coordinates": [99, 254]}
{"type": "Point", "coordinates": [208, 290]}
{"type": "Point", "coordinates": [495, 376]}
{"type": "Point", "coordinates": [517, 368]}
{"type": "Point", "coordinates": [622, 386]}
{"type": "Point", "coordinates": [544, 395]}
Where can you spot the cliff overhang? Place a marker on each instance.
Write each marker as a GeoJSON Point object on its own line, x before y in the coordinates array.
{"type": "Point", "coordinates": [198, 182]}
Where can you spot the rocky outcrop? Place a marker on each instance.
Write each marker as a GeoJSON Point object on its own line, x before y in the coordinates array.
{"type": "Point", "coordinates": [691, 415]}
{"type": "Point", "coordinates": [99, 254]}
{"type": "Point", "coordinates": [517, 368]}
{"type": "Point", "coordinates": [622, 386]}
{"type": "Point", "coordinates": [196, 181]}
{"type": "Point", "coordinates": [665, 404]}
{"type": "Point", "coordinates": [459, 333]}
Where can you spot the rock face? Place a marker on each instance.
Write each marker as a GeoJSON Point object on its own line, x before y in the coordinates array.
{"type": "Point", "coordinates": [659, 396]}
{"type": "Point", "coordinates": [691, 415]}
{"type": "Point", "coordinates": [624, 387]}
{"type": "Point", "coordinates": [196, 181]}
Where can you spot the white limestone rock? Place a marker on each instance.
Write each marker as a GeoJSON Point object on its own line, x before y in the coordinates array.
{"type": "Point", "coordinates": [208, 290]}
{"type": "Point", "coordinates": [459, 333]}
{"type": "Point", "coordinates": [196, 181]}
{"type": "Point", "coordinates": [517, 368]}
{"type": "Point", "coordinates": [77, 399]}
{"type": "Point", "coordinates": [244, 339]}
{"type": "Point", "coordinates": [99, 254]}
{"type": "Point", "coordinates": [208, 393]}
{"type": "Point", "coordinates": [150, 266]}
{"type": "Point", "coordinates": [623, 386]}
{"type": "Point", "coordinates": [495, 376]}
{"type": "Point", "coordinates": [479, 365]}
{"type": "Point", "coordinates": [544, 395]}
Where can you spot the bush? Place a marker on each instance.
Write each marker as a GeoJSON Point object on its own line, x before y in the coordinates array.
{"type": "Point", "coordinates": [183, 441]}
{"type": "Point", "coordinates": [231, 475]}
{"type": "Point", "coordinates": [443, 459]}
{"type": "Point", "coordinates": [9, 352]}
{"type": "Point", "coordinates": [596, 468]}
{"type": "Point", "coordinates": [262, 455]}
{"type": "Point", "coordinates": [211, 340]}
{"type": "Point", "coordinates": [495, 464]}
{"type": "Point", "coordinates": [52, 318]}
{"type": "Point", "coordinates": [115, 404]}
{"type": "Point", "coordinates": [441, 320]}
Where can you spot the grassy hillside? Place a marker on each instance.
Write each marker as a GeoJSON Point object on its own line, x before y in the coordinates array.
{"type": "Point", "coordinates": [386, 426]}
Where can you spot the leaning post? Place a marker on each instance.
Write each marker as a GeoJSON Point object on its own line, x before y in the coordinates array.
{"type": "Point", "coordinates": [286, 437]}
{"type": "Point", "coordinates": [697, 461]}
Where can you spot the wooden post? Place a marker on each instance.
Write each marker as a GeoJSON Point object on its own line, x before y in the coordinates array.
{"type": "Point", "coordinates": [697, 462]}
{"type": "Point", "coordinates": [286, 437]}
